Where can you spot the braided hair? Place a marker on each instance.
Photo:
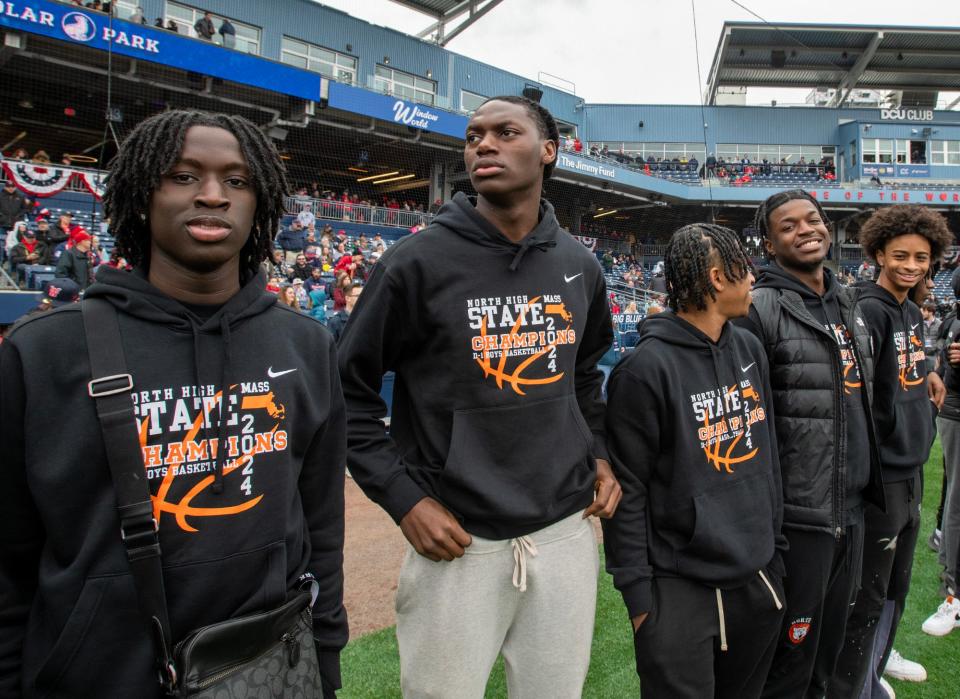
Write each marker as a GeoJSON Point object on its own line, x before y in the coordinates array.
{"type": "Point", "coordinates": [691, 252]}
{"type": "Point", "coordinates": [546, 124]}
{"type": "Point", "coordinates": [761, 219]}
{"type": "Point", "coordinates": [154, 146]}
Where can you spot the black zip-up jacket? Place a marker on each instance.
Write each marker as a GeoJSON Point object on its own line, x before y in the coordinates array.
{"type": "Point", "coordinates": [497, 405]}
{"type": "Point", "coordinates": [901, 407]}
{"type": "Point", "coordinates": [807, 376]}
{"type": "Point", "coordinates": [949, 333]}
{"type": "Point", "coordinates": [690, 431]}
{"type": "Point", "coordinates": [70, 624]}
{"type": "Point", "coordinates": [13, 206]}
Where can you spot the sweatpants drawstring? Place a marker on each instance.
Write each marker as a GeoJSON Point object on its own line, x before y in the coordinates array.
{"type": "Point", "coordinates": [521, 546]}
{"type": "Point", "coordinates": [723, 623]}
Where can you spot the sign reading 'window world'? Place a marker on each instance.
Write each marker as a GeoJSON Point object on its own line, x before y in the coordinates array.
{"type": "Point", "coordinates": [96, 30]}
{"type": "Point", "coordinates": [398, 111]}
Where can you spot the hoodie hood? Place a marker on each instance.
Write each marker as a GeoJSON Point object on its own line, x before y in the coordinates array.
{"type": "Point", "coordinates": [773, 276]}
{"type": "Point", "coordinates": [872, 290]}
{"type": "Point", "coordinates": [671, 328]}
{"type": "Point", "coordinates": [133, 294]}
{"type": "Point", "coordinates": [460, 216]}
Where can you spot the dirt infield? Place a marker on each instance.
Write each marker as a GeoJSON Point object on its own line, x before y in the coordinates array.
{"type": "Point", "coordinates": [372, 553]}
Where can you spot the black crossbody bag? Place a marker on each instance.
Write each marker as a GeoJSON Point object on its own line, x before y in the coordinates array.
{"type": "Point", "coordinates": [268, 654]}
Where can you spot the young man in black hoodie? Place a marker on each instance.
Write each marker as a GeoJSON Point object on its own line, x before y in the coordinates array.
{"type": "Point", "coordinates": [493, 319]}
{"type": "Point", "coordinates": [821, 371]}
{"type": "Point", "coordinates": [194, 199]}
{"type": "Point", "coordinates": [695, 547]}
{"type": "Point", "coordinates": [904, 241]}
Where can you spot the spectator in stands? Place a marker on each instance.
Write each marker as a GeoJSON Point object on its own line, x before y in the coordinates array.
{"type": "Point", "coordinates": [314, 281]}
{"type": "Point", "coordinates": [277, 266]}
{"type": "Point", "coordinates": [51, 237]}
{"type": "Point", "coordinates": [75, 262]}
{"type": "Point", "coordinates": [173, 27]}
{"type": "Point", "coordinates": [292, 241]}
{"type": "Point", "coordinates": [21, 154]}
{"type": "Point", "coordinates": [204, 27]}
{"type": "Point", "coordinates": [306, 217]}
{"type": "Point", "coordinates": [41, 156]}
{"type": "Point", "coordinates": [301, 268]}
{"type": "Point", "coordinates": [338, 321]}
{"type": "Point", "coordinates": [865, 272]}
{"type": "Point", "coordinates": [138, 17]}
{"type": "Point", "coordinates": [711, 165]}
{"type": "Point", "coordinates": [29, 251]}
{"type": "Point", "coordinates": [13, 207]}
{"type": "Point", "coordinates": [228, 33]}
{"type": "Point", "coordinates": [288, 297]}
{"type": "Point", "coordinates": [318, 304]}
{"type": "Point", "coordinates": [577, 145]}
{"type": "Point", "coordinates": [343, 280]}
{"type": "Point", "coordinates": [303, 298]}
{"type": "Point", "coordinates": [158, 23]}
{"type": "Point", "coordinates": [339, 251]}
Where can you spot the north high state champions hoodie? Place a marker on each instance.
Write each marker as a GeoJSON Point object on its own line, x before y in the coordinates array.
{"type": "Point", "coordinates": [69, 621]}
{"type": "Point", "coordinates": [690, 429]}
{"type": "Point", "coordinates": [497, 407]}
{"type": "Point", "coordinates": [901, 408]}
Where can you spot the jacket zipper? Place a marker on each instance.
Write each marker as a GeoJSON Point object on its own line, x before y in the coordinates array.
{"type": "Point", "coordinates": [837, 406]}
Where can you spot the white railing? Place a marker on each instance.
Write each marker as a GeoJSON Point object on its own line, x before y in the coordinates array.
{"type": "Point", "coordinates": [347, 212]}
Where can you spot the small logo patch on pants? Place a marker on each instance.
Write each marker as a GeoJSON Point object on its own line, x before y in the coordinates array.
{"type": "Point", "coordinates": [799, 629]}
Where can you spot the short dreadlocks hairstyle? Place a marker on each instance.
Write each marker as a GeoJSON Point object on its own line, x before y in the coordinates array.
{"type": "Point", "coordinates": [761, 219]}
{"type": "Point", "coordinates": [154, 146]}
{"type": "Point", "coordinates": [691, 252]}
{"type": "Point", "coordinates": [902, 219]}
{"type": "Point", "coordinates": [544, 120]}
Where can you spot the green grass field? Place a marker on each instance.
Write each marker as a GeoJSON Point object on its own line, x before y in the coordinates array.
{"type": "Point", "coordinates": [371, 669]}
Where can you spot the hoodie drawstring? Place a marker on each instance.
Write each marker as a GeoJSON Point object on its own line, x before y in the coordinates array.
{"type": "Point", "coordinates": [224, 388]}
{"type": "Point", "coordinates": [542, 245]}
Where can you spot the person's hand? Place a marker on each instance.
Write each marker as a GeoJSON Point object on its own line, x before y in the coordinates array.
{"type": "Point", "coordinates": [607, 492]}
{"type": "Point", "coordinates": [953, 353]}
{"type": "Point", "coordinates": [936, 390]}
{"type": "Point", "coordinates": [434, 532]}
{"type": "Point", "coordinates": [638, 621]}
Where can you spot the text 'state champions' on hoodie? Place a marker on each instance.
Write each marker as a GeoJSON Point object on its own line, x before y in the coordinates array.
{"type": "Point", "coordinates": [497, 406]}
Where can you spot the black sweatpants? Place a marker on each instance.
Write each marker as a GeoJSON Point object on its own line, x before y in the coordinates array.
{"type": "Point", "coordinates": [889, 542]}
{"type": "Point", "coordinates": [823, 573]}
{"type": "Point", "coordinates": [679, 646]}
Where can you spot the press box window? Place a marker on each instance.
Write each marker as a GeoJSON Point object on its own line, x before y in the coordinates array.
{"type": "Point", "coordinates": [332, 64]}
{"type": "Point", "coordinates": [404, 85]}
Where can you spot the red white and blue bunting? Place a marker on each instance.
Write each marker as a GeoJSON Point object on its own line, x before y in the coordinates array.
{"type": "Point", "coordinates": [588, 242]}
{"type": "Point", "coordinates": [46, 180]}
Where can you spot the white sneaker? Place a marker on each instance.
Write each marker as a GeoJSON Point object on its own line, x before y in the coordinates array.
{"type": "Point", "coordinates": [903, 669]}
{"type": "Point", "coordinates": [888, 689]}
{"type": "Point", "coordinates": [945, 619]}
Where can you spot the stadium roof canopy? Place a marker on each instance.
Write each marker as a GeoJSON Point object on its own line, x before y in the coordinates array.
{"type": "Point", "coordinates": [920, 61]}
{"type": "Point", "coordinates": [445, 12]}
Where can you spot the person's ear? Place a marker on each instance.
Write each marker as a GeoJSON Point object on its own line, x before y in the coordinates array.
{"type": "Point", "coordinates": [549, 152]}
{"type": "Point", "coordinates": [717, 278]}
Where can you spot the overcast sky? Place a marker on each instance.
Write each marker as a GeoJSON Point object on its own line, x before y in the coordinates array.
{"type": "Point", "coordinates": [609, 48]}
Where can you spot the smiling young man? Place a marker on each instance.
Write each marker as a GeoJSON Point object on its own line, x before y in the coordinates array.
{"type": "Point", "coordinates": [493, 319]}
{"type": "Point", "coordinates": [243, 447]}
{"type": "Point", "coordinates": [821, 372]}
{"type": "Point", "coordinates": [695, 547]}
{"type": "Point", "coordinates": [904, 241]}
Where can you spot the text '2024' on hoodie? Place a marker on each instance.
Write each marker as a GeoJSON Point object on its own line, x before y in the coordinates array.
{"type": "Point", "coordinates": [497, 406]}
{"type": "Point", "coordinates": [901, 408]}
{"type": "Point", "coordinates": [248, 399]}
{"type": "Point", "coordinates": [691, 435]}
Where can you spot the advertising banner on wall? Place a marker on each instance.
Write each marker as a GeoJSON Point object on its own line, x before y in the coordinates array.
{"type": "Point", "coordinates": [77, 25]}
{"type": "Point", "coordinates": [894, 170]}
{"type": "Point", "coordinates": [398, 111]}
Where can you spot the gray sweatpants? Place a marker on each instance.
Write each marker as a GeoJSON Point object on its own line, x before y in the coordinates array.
{"type": "Point", "coordinates": [533, 599]}
{"type": "Point", "coordinates": [949, 431]}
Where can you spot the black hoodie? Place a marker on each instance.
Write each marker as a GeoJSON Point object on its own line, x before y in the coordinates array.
{"type": "Point", "coordinates": [901, 407]}
{"type": "Point", "coordinates": [70, 625]}
{"type": "Point", "coordinates": [690, 430]}
{"type": "Point", "coordinates": [825, 310]}
{"type": "Point", "coordinates": [497, 406]}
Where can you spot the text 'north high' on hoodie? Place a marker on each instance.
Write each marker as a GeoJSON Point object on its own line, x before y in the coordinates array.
{"type": "Point", "coordinates": [241, 424]}
{"type": "Point", "coordinates": [901, 407]}
{"type": "Point", "coordinates": [497, 406]}
{"type": "Point", "coordinates": [690, 430]}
